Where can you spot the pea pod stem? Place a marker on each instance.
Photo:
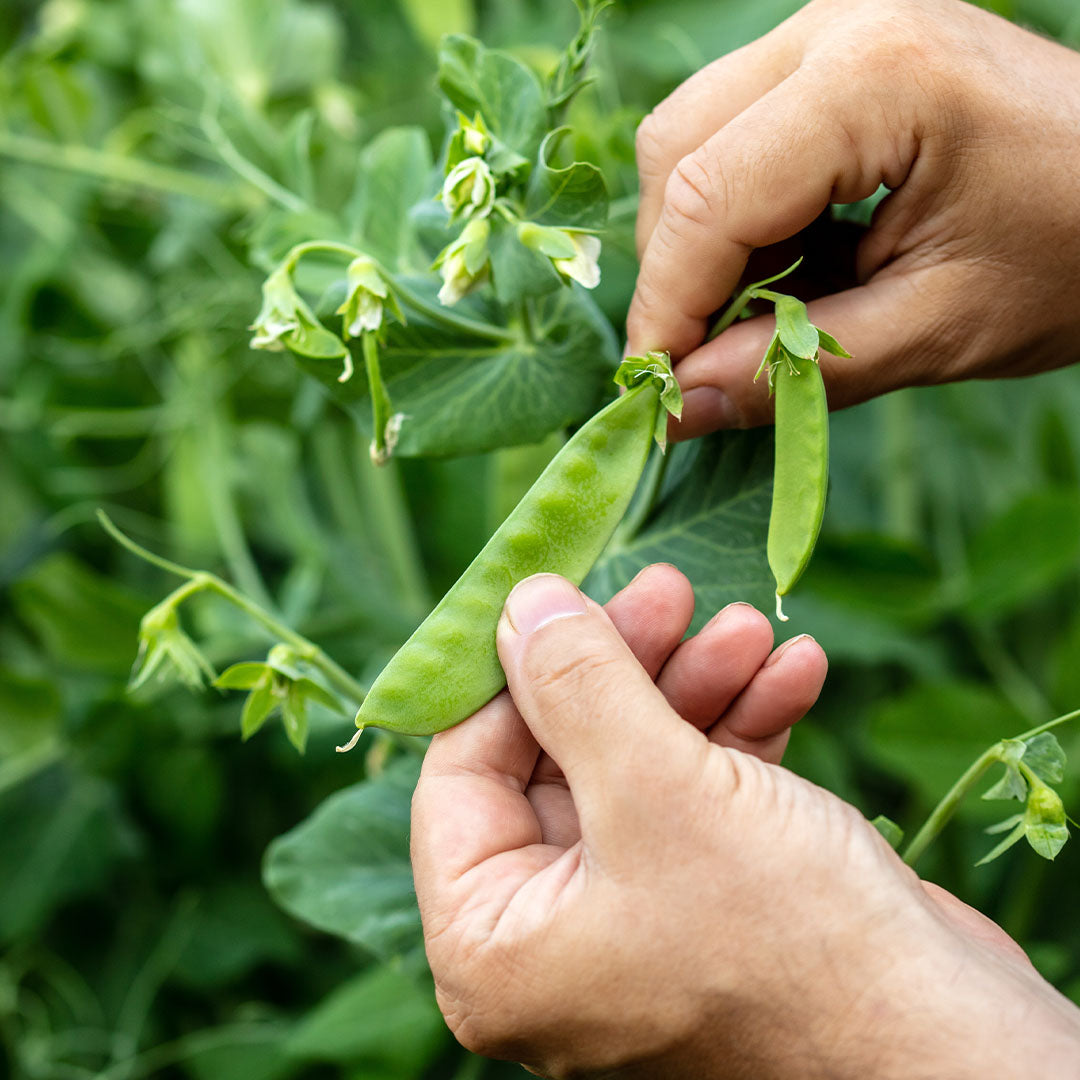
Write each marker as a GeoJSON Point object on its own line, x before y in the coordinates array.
{"type": "Point", "coordinates": [950, 802]}
{"type": "Point", "coordinates": [202, 581]}
{"type": "Point", "coordinates": [754, 291]}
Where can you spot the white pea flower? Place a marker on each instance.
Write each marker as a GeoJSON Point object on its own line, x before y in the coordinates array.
{"type": "Point", "coordinates": [583, 266]}
{"type": "Point", "coordinates": [280, 312]}
{"type": "Point", "coordinates": [574, 254]}
{"type": "Point", "coordinates": [469, 189]}
{"type": "Point", "coordinates": [366, 292]}
{"type": "Point", "coordinates": [464, 263]}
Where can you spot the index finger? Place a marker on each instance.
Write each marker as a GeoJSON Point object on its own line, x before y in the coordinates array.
{"type": "Point", "coordinates": [760, 179]}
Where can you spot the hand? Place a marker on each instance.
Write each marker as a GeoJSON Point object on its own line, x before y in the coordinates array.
{"type": "Point", "coordinates": [617, 879]}
{"type": "Point", "coordinates": [971, 267]}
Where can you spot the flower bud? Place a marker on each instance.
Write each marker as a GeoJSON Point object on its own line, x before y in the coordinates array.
{"type": "Point", "coordinates": [469, 189]}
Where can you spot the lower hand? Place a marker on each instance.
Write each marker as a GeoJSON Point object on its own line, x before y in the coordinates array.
{"type": "Point", "coordinates": [617, 878]}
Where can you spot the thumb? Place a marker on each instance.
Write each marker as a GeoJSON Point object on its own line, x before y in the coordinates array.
{"type": "Point", "coordinates": [584, 696]}
{"type": "Point", "coordinates": [901, 329]}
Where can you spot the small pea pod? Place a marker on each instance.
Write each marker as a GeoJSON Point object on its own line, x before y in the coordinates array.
{"type": "Point", "coordinates": [450, 667]}
{"type": "Point", "coordinates": [801, 474]}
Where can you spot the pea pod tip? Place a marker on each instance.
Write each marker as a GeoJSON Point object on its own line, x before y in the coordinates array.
{"type": "Point", "coordinates": [351, 743]}
{"type": "Point", "coordinates": [779, 614]}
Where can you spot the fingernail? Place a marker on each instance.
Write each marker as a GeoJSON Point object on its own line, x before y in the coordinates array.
{"type": "Point", "coordinates": [541, 599]}
{"type": "Point", "coordinates": [705, 409]}
{"type": "Point", "coordinates": [724, 610]}
{"type": "Point", "coordinates": [784, 648]}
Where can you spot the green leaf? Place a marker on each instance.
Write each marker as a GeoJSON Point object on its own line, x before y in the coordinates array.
{"type": "Point", "coordinates": [63, 833]}
{"type": "Point", "coordinates": [518, 272]}
{"type": "Point", "coordinates": [572, 197]}
{"type": "Point", "coordinates": [346, 868]}
{"type": "Point", "coordinates": [1003, 826]}
{"type": "Point", "coordinates": [381, 1017]}
{"type": "Point", "coordinates": [503, 90]}
{"type": "Point", "coordinates": [432, 19]}
{"type": "Point", "coordinates": [1013, 838]}
{"type": "Point", "coordinates": [931, 733]}
{"type": "Point", "coordinates": [294, 716]}
{"type": "Point", "coordinates": [889, 829]}
{"type": "Point", "coordinates": [1047, 839]}
{"type": "Point", "coordinates": [394, 173]}
{"type": "Point", "coordinates": [710, 521]}
{"type": "Point", "coordinates": [831, 345]}
{"type": "Point", "coordinates": [1025, 552]}
{"type": "Point", "coordinates": [463, 393]}
{"type": "Point", "coordinates": [1044, 756]}
{"type": "Point", "coordinates": [260, 703]}
{"type": "Point", "coordinates": [235, 928]}
{"type": "Point", "coordinates": [242, 676]}
{"type": "Point", "coordinates": [313, 691]}
{"type": "Point", "coordinates": [797, 334]}
{"type": "Point", "coordinates": [83, 619]}
{"type": "Point", "coordinates": [313, 340]}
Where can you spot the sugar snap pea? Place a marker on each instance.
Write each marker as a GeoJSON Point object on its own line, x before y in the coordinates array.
{"type": "Point", "coordinates": [801, 473]}
{"type": "Point", "coordinates": [450, 667]}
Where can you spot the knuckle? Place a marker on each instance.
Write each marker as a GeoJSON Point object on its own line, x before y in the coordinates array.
{"type": "Point", "coordinates": [649, 145]}
{"type": "Point", "coordinates": [694, 194]}
{"type": "Point", "coordinates": [561, 681]}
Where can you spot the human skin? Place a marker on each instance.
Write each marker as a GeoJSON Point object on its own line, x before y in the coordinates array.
{"type": "Point", "coordinates": [971, 266]}
{"type": "Point", "coordinates": [617, 879]}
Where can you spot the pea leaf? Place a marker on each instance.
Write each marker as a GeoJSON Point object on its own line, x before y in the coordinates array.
{"type": "Point", "coordinates": [710, 520]}
{"type": "Point", "coordinates": [1024, 552]}
{"type": "Point", "coordinates": [1011, 785]}
{"type": "Point", "coordinates": [1044, 756]}
{"type": "Point", "coordinates": [503, 90]}
{"type": "Point", "coordinates": [830, 344]}
{"type": "Point", "coordinates": [394, 173]}
{"type": "Point", "coordinates": [381, 1016]}
{"type": "Point", "coordinates": [517, 271]}
{"type": "Point", "coordinates": [346, 868]}
{"type": "Point", "coordinates": [260, 703]}
{"type": "Point", "coordinates": [461, 392]}
{"type": "Point", "coordinates": [241, 676]}
{"type": "Point", "coordinates": [572, 197]}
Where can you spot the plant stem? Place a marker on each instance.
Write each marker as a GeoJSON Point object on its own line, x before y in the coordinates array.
{"type": "Point", "coordinates": [236, 161]}
{"type": "Point", "coordinates": [945, 809]}
{"type": "Point", "coordinates": [435, 312]}
{"type": "Point", "coordinates": [381, 409]}
{"type": "Point", "coordinates": [122, 169]}
{"type": "Point", "coordinates": [752, 292]}
{"type": "Point", "coordinates": [940, 815]}
{"type": "Point", "coordinates": [201, 581]}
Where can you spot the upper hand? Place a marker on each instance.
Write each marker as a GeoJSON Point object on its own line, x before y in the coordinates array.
{"type": "Point", "coordinates": [972, 264]}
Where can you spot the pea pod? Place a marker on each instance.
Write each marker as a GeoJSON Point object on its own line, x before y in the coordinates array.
{"type": "Point", "coordinates": [450, 667]}
{"type": "Point", "coordinates": [801, 473]}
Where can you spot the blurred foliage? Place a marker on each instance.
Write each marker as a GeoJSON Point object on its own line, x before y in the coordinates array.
{"type": "Point", "coordinates": [145, 147]}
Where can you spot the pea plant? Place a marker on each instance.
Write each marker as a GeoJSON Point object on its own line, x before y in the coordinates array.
{"type": "Point", "coordinates": [450, 310]}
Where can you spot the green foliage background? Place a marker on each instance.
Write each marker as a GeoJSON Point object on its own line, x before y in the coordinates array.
{"type": "Point", "coordinates": [136, 937]}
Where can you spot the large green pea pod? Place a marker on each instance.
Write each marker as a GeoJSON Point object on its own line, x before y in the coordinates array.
{"type": "Point", "coordinates": [450, 667]}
